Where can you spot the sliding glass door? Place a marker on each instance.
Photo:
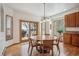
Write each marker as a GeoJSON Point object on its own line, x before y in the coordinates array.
{"type": "Point", "coordinates": [28, 29]}
{"type": "Point", "coordinates": [33, 29]}
{"type": "Point", "coordinates": [25, 29]}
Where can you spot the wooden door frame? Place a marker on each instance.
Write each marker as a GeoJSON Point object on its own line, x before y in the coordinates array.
{"type": "Point", "coordinates": [29, 26]}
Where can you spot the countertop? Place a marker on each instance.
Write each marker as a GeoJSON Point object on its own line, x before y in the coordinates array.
{"type": "Point", "coordinates": [73, 32]}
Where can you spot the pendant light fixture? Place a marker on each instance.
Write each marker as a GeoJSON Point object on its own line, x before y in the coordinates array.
{"type": "Point", "coordinates": [44, 17]}
{"type": "Point", "coordinates": [44, 11]}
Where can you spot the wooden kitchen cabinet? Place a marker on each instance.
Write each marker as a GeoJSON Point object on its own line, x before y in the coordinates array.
{"type": "Point", "coordinates": [77, 19]}
{"type": "Point", "coordinates": [66, 21]}
{"type": "Point", "coordinates": [71, 38]}
{"type": "Point", "coordinates": [67, 38]}
{"type": "Point", "coordinates": [70, 20]}
{"type": "Point", "coordinates": [75, 39]}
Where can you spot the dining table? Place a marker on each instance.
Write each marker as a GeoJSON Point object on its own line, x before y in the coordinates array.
{"type": "Point", "coordinates": [41, 38]}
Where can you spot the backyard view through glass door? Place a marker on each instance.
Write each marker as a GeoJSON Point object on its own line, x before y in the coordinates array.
{"type": "Point", "coordinates": [28, 29]}
{"type": "Point", "coordinates": [33, 29]}
{"type": "Point", "coordinates": [24, 30]}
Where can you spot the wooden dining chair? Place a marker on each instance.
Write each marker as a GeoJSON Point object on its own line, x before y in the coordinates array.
{"type": "Point", "coordinates": [32, 44]}
{"type": "Point", "coordinates": [56, 43]}
{"type": "Point", "coordinates": [47, 44]}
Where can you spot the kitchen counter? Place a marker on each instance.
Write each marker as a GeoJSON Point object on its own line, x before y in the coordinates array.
{"type": "Point", "coordinates": [72, 32]}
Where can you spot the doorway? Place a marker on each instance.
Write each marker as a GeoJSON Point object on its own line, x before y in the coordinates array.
{"type": "Point", "coordinates": [28, 29]}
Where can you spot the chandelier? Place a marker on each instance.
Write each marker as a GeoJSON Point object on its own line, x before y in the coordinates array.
{"type": "Point", "coordinates": [44, 17]}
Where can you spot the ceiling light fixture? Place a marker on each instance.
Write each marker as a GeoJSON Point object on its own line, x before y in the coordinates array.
{"type": "Point", "coordinates": [44, 17]}
{"type": "Point", "coordinates": [44, 11]}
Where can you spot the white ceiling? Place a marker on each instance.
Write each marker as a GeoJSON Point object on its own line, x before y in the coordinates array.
{"type": "Point", "coordinates": [38, 8]}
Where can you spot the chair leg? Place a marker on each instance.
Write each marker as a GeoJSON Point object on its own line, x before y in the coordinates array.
{"type": "Point", "coordinates": [52, 52]}
{"type": "Point", "coordinates": [36, 47]}
{"type": "Point", "coordinates": [58, 49]}
{"type": "Point", "coordinates": [28, 48]}
{"type": "Point", "coordinates": [31, 51]}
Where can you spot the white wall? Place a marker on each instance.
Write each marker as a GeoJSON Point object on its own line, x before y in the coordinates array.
{"type": "Point", "coordinates": [2, 42]}
{"type": "Point", "coordinates": [0, 18]}
{"type": "Point", "coordinates": [17, 16]}
{"type": "Point", "coordinates": [8, 11]}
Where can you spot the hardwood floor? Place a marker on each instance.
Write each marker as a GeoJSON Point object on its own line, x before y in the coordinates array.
{"type": "Point", "coordinates": [21, 50]}
{"type": "Point", "coordinates": [71, 50]}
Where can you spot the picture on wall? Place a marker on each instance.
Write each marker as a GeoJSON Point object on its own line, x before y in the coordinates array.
{"type": "Point", "coordinates": [9, 27]}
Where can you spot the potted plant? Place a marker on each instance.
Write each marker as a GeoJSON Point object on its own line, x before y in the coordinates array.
{"type": "Point", "coordinates": [60, 31]}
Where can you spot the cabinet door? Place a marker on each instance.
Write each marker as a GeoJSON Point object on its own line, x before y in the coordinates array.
{"type": "Point", "coordinates": [75, 39]}
{"type": "Point", "coordinates": [72, 20]}
{"type": "Point", "coordinates": [67, 38]}
{"type": "Point", "coordinates": [77, 19]}
{"type": "Point", "coordinates": [67, 22]}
